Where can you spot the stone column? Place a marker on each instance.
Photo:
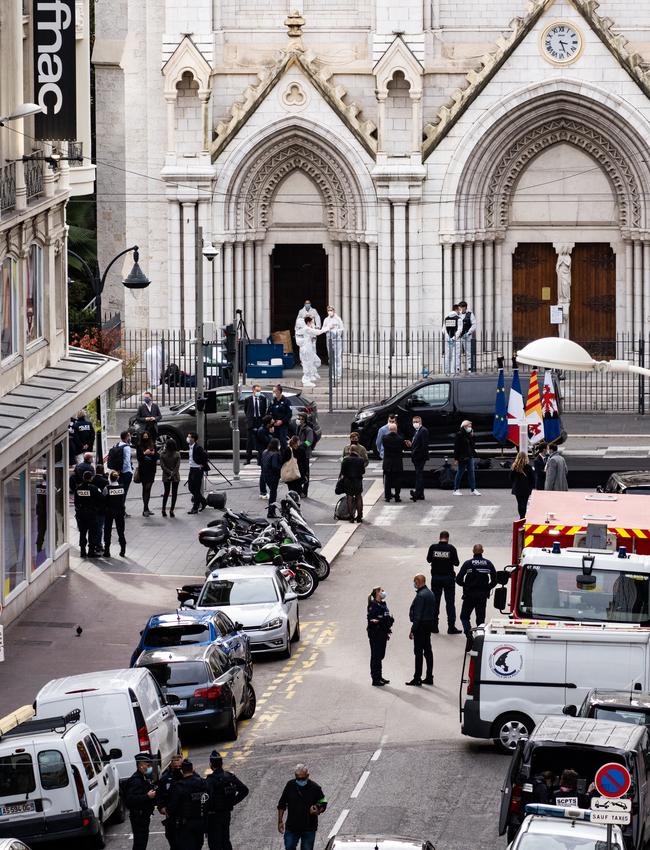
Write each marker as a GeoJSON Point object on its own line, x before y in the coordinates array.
{"type": "Point", "coordinates": [500, 326]}
{"type": "Point", "coordinates": [346, 313]}
{"type": "Point", "coordinates": [204, 99]}
{"type": "Point", "coordinates": [364, 289]}
{"type": "Point", "coordinates": [171, 123]}
{"type": "Point", "coordinates": [259, 294]}
{"type": "Point", "coordinates": [399, 266]}
{"type": "Point", "coordinates": [416, 124]}
{"type": "Point", "coordinates": [467, 290]}
{"type": "Point", "coordinates": [373, 291]}
{"type": "Point", "coordinates": [189, 265]}
{"type": "Point", "coordinates": [228, 308]}
{"type": "Point", "coordinates": [218, 287]}
{"type": "Point", "coordinates": [447, 279]}
{"type": "Point", "coordinates": [629, 287]}
{"type": "Point", "coordinates": [173, 263]}
{"type": "Point", "coordinates": [637, 325]}
{"type": "Point", "coordinates": [208, 267]}
{"type": "Point", "coordinates": [239, 275]}
{"type": "Point", "coordinates": [478, 296]}
{"type": "Point", "coordinates": [354, 290]}
{"type": "Point", "coordinates": [334, 271]}
{"type": "Point", "coordinates": [458, 274]}
{"type": "Point", "coordinates": [381, 120]}
{"type": "Point", "coordinates": [645, 312]}
{"type": "Point", "coordinates": [384, 260]}
{"type": "Point", "coordinates": [415, 288]}
{"type": "Point", "coordinates": [488, 288]}
{"type": "Point", "coordinates": [249, 285]}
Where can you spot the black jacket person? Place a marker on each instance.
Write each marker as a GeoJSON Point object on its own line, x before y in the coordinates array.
{"type": "Point", "coordinates": [303, 801]}
{"type": "Point", "coordinates": [421, 615]}
{"type": "Point", "coordinates": [477, 577]}
{"type": "Point", "coordinates": [443, 557]}
{"type": "Point", "coordinates": [225, 791]}
{"type": "Point", "coordinates": [87, 502]}
{"type": "Point", "coordinates": [139, 797]}
{"type": "Point", "coordinates": [188, 807]}
{"type": "Point", "coordinates": [168, 778]}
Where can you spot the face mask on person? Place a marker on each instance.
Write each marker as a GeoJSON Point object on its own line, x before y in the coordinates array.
{"type": "Point", "coordinates": [308, 307]}
{"type": "Point", "coordinates": [330, 313]}
{"type": "Point", "coordinates": [147, 399]}
{"type": "Point", "coordinates": [190, 441]}
{"type": "Point", "coordinates": [301, 782]}
{"type": "Point", "coordinates": [382, 596]}
{"type": "Point", "coordinates": [469, 430]}
{"type": "Point", "coordinates": [149, 771]}
{"type": "Point", "coordinates": [416, 425]}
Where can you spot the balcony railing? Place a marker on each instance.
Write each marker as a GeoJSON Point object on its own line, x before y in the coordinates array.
{"type": "Point", "coordinates": [7, 187]}
{"type": "Point", "coordinates": [76, 154]}
{"type": "Point", "coordinates": [33, 170]}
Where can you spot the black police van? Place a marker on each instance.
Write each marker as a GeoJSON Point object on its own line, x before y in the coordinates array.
{"type": "Point", "coordinates": [443, 402]}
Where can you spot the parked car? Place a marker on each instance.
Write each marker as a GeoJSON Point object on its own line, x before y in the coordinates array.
{"type": "Point", "coordinates": [195, 628]}
{"type": "Point", "coordinates": [443, 402]}
{"type": "Point", "coordinates": [585, 745]}
{"type": "Point", "coordinates": [57, 782]}
{"type": "Point", "coordinates": [635, 483]}
{"type": "Point", "coordinates": [557, 828]}
{"type": "Point", "coordinates": [204, 686]}
{"type": "Point", "coordinates": [373, 842]}
{"type": "Point", "coordinates": [12, 844]}
{"type": "Point", "coordinates": [125, 708]}
{"type": "Point", "coordinates": [617, 706]}
{"type": "Point", "coordinates": [181, 418]}
{"type": "Point", "coordinates": [257, 597]}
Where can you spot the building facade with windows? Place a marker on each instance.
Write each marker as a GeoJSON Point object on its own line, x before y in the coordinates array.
{"type": "Point", "coordinates": [43, 382]}
{"type": "Point", "coordinates": [389, 158]}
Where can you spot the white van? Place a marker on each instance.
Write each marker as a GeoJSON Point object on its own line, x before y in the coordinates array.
{"type": "Point", "coordinates": [57, 782]}
{"type": "Point", "coordinates": [520, 671]}
{"type": "Point", "coordinates": [126, 709]}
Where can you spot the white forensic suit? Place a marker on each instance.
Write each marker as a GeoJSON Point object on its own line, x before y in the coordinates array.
{"type": "Point", "coordinates": [334, 328]}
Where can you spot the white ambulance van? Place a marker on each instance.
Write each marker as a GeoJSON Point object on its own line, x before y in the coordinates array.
{"type": "Point", "coordinates": [516, 672]}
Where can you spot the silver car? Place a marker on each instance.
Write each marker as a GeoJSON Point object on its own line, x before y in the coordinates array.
{"type": "Point", "coordinates": [260, 599]}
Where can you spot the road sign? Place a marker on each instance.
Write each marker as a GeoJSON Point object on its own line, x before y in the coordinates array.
{"type": "Point", "coordinates": [613, 780]}
{"type": "Point", "coordinates": [611, 817]}
{"type": "Point", "coordinates": [604, 804]}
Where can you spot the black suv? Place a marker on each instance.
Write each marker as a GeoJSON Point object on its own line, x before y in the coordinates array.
{"type": "Point", "coordinates": [443, 402]}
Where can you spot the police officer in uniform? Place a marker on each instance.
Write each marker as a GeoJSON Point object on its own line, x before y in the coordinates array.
{"type": "Point", "coordinates": [477, 577]}
{"type": "Point", "coordinates": [443, 557]}
{"type": "Point", "coordinates": [167, 779]}
{"type": "Point", "coordinates": [225, 792]}
{"type": "Point", "coordinates": [87, 500]}
{"type": "Point", "coordinates": [83, 435]}
{"type": "Point", "coordinates": [140, 796]}
{"type": "Point", "coordinates": [188, 806]}
{"type": "Point", "coordinates": [452, 327]}
{"type": "Point", "coordinates": [380, 624]}
{"type": "Point", "coordinates": [114, 513]}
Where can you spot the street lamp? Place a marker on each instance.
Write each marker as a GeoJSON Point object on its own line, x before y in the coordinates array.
{"type": "Point", "coordinates": [207, 250]}
{"type": "Point", "coordinates": [21, 111]}
{"type": "Point", "coordinates": [136, 279]}
{"type": "Point", "coordinates": [557, 353]}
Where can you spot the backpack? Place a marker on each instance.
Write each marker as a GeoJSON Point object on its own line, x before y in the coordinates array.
{"type": "Point", "coordinates": [116, 458]}
{"type": "Point", "coordinates": [341, 509]}
{"type": "Point", "coordinates": [446, 476]}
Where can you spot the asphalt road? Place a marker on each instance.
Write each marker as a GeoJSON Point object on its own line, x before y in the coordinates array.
{"type": "Point", "coordinates": [390, 760]}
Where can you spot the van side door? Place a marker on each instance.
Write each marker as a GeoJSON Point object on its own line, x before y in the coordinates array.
{"type": "Point", "coordinates": [105, 773]}
{"type": "Point", "coordinates": [434, 404]}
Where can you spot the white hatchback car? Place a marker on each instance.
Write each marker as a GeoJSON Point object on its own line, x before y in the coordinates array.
{"type": "Point", "coordinates": [12, 844]}
{"type": "Point", "coordinates": [556, 829]}
{"type": "Point", "coordinates": [260, 599]}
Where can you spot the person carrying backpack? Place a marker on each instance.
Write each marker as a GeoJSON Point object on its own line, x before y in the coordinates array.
{"type": "Point", "coordinates": [225, 791]}
{"type": "Point", "coordinates": [187, 806]}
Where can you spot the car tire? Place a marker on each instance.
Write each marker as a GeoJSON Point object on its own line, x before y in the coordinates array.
{"type": "Point", "coordinates": [250, 703]}
{"type": "Point", "coordinates": [119, 815]}
{"type": "Point", "coordinates": [296, 631]}
{"type": "Point", "coordinates": [99, 839]}
{"type": "Point", "coordinates": [231, 727]}
{"type": "Point", "coordinates": [286, 653]}
{"type": "Point", "coordinates": [509, 729]}
{"type": "Point", "coordinates": [164, 434]}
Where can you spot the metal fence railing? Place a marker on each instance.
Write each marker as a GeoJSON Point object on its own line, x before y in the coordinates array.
{"type": "Point", "coordinates": [375, 367]}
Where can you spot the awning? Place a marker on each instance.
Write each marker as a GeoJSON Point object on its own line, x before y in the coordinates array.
{"type": "Point", "coordinates": [35, 409]}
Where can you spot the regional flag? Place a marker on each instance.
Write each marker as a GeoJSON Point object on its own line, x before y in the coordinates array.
{"type": "Point", "coordinates": [500, 426]}
{"type": "Point", "coordinates": [534, 419]}
{"type": "Point", "coordinates": [515, 409]}
{"type": "Point", "coordinates": [549, 410]}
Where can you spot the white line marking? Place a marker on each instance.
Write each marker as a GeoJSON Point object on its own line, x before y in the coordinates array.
{"type": "Point", "coordinates": [388, 514]}
{"type": "Point", "coordinates": [360, 784]}
{"type": "Point", "coordinates": [376, 755]}
{"type": "Point", "coordinates": [339, 822]}
{"type": "Point", "coordinates": [485, 514]}
{"type": "Point", "coordinates": [435, 514]}
{"type": "Point", "coordinates": [383, 739]}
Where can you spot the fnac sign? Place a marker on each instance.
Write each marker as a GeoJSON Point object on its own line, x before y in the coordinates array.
{"type": "Point", "coordinates": [55, 74]}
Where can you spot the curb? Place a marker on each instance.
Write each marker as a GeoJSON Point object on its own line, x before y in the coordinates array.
{"type": "Point", "coordinates": [345, 530]}
{"type": "Point", "coordinates": [20, 715]}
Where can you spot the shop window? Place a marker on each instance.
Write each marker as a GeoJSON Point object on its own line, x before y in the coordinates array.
{"type": "Point", "coordinates": [34, 293]}
{"type": "Point", "coordinates": [60, 468]}
{"type": "Point", "coordinates": [13, 511]}
{"type": "Point", "coordinates": [39, 488]}
{"type": "Point", "coordinates": [8, 307]}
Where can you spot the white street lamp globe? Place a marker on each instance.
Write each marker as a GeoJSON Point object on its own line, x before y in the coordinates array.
{"type": "Point", "coordinates": [557, 353]}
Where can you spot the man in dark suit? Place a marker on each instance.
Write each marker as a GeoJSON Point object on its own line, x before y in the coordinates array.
{"type": "Point", "coordinates": [148, 415]}
{"type": "Point", "coordinates": [198, 466]}
{"type": "Point", "coordinates": [255, 409]}
{"type": "Point", "coordinates": [393, 465]}
{"type": "Point", "coordinates": [419, 456]}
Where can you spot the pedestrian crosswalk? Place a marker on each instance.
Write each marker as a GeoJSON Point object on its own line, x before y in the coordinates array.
{"type": "Point", "coordinates": [404, 514]}
{"type": "Point", "coordinates": [484, 515]}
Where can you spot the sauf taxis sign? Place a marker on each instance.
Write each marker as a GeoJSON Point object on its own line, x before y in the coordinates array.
{"type": "Point", "coordinates": [55, 76]}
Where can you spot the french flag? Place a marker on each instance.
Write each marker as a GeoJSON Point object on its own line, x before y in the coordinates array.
{"type": "Point", "coordinates": [515, 409]}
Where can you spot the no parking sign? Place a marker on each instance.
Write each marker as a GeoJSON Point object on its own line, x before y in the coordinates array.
{"type": "Point", "coordinates": [613, 780]}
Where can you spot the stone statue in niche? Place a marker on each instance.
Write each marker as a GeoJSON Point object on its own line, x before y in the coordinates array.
{"type": "Point", "coordinates": [563, 271]}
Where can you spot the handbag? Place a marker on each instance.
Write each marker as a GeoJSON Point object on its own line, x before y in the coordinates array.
{"type": "Point", "coordinates": [136, 474]}
{"type": "Point", "coordinates": [289, 470]}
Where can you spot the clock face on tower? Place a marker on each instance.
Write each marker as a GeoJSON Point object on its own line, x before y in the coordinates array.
{"type": "Point", "coordinates": [561, 43]}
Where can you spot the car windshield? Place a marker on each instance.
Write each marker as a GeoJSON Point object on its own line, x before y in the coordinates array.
{"type": "Point", "coordinates": [543, 841]}
{"type": "Point", "coordinates": [16, 775]}
{"type": "Point", "coordinates": [551, 593]}
{"type": "Point", "coordinates": [178, 673]}
{"type": "Point", "coordinates": [161, 636]}
{"type": "Point", "coordinates": [621, 715]}
{"type": "Point", "coordinates": [242, 591]}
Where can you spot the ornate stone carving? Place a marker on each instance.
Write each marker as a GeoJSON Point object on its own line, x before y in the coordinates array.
{"type": "Point", "coordinates": [276, 163]}
{"type": "Point", "coordinates": [294, 96]}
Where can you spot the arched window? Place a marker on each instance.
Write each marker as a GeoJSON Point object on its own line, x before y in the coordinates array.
{"type": "Point", "coordinates": [34, 295]}
{"type": "Point", "coordinates": [8, 308]}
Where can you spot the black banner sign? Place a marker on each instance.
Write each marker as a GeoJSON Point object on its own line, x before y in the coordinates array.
{"type": "Point", "coordinates": [55, 76]}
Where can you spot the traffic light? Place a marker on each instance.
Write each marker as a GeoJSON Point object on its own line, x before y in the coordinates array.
{"type": "Point", "coordinates": [230, 336]}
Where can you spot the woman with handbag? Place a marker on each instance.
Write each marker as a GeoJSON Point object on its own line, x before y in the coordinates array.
{"type": "Point", "coordinates": [380, 624]}
{"type": "Point", "coordinates": [170, 464]}
{"type": "Point", "coordinates": [271, 466]}
{"type": "Point", "coordinates": [294, 459]}
{"type": "Point", "coordinates": [146, 471]}
{"type": "Point", "coordinates": [351, 483]}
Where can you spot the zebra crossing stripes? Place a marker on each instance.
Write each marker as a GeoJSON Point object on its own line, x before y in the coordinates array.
{"type": "Point", "coordinates": [484, 515]}
{"type": "Point", "coordinates": [435, 514]}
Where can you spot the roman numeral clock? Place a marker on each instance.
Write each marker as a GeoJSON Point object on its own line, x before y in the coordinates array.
{"type": "Point", "coordinates": [561, 43]}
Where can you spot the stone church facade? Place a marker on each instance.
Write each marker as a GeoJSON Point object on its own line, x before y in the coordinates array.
{"type": "Point", "coordinates": [389, 158]}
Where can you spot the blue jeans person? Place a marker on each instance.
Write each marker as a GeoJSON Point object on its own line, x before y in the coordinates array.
{"type": "Point", "coordinates": [446, 585]}
{"type": "Point", "coordinates": [462, 466]}
{"type": "Point", "coordinates": [306, 839]}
